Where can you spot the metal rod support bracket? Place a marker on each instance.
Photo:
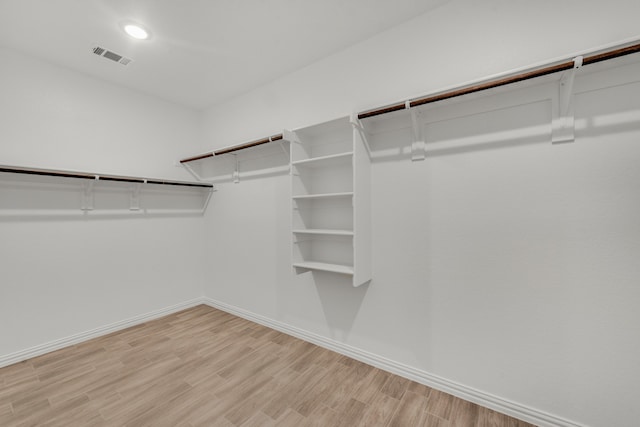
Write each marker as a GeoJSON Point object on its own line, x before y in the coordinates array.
{"type": "Point", "coordinates": [236, 171]}
{"type": "Point", "coordinates": [134, 196]}
{"type": "Point", "coordinates": [87, 194]}
{"type": "Point", "coordinates": [563, 125]}
{"type": "Point", "coordinates": [359, 127]}
{"type": "Point", "coordinates": [291, 137]}
{"type": "Point", "coordinates": [418, 146]}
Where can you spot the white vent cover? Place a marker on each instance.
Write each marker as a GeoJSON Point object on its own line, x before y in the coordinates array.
{"type": "Point", "coordinates": [115, 57]}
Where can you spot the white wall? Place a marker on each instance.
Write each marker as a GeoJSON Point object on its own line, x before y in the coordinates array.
{"type": "Point", "coordinates": [461, 41]}
{"type": "Point", "coordinates": [502, 262]}
{"type": "Point", "coordinates": [56, 118]}
{"type": "Point", "coordinates": [68, 273]}
{"type": "Point", "coordinates": [509, 269]}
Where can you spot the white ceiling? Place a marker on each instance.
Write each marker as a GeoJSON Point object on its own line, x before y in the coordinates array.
{"type": "Point", "coordinates": [201, 52]}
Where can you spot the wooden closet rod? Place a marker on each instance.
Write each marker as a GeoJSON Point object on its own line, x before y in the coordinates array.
{"type": "Point", "coordinates": [465, 90]}
{"type": "Point", "coordinates": [537, 72]}
{"type": "Point", "coordinates": [233, 148]}
{"type": "Point", "coordinates": [83, 175]}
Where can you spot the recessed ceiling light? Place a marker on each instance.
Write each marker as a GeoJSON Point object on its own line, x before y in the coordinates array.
{"type": "Point", "coordinates": [136, 31]}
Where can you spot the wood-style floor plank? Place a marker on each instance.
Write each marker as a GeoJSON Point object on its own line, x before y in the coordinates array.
{"type": "Point", "coordinates": [379, 411]}
{"type": "Point", "coordinates": [410, 412]}
{"type": "Point", "coordinates": [205, 367]}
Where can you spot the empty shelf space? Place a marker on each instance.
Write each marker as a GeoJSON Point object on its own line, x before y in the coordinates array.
{"type": "Point", "coordinates": [326, 232]}
{"type": "Point", "coordinates": [321, 266]}
{"type": "Point", "coordinates": [324, 195]}
{"type": "Point", "coordinates": [326, 161]}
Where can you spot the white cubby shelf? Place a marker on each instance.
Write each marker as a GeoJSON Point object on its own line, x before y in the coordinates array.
{"type": "Point", "coordinates": [331, 200]}
{"type": "Point", "coordinates": [323, 266]}
{"type": "Point", "coordinates": [323, 196]}
{"type": "Point", "coordinates": [324, 232]}
{"type": "Point", "coordinates": [325, 161]}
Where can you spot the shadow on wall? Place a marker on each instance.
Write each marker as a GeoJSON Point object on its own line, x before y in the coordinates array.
{"type": "Point", "coordinates": [340, 302]}
{"type": "Point", "coordinates": [502, 120]}
{"type": "Point", "coordinates": [396, 145]}
{"type": "Point", "coordinates": [480, 131]}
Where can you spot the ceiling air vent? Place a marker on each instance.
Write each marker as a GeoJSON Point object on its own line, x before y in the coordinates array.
{"type": "Point", "coordinates": [115, 57]}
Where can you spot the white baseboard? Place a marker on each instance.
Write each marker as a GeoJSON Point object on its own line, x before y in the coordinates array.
{"type": "Point", "coordinates": [525, 413]}
{"type": "Point", "coordinates": [39, 350]}
{"type": "Point", "coordinates": [516, 410]}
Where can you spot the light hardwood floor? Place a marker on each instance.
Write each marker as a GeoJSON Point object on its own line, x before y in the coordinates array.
{"type": "Point", "coordinates": [205, 367]}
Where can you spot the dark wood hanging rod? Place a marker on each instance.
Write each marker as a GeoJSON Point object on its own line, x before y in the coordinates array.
{"type": "Point", "coordinates": [83, 175]}
{"type": "Point", "coordinates": [234, 148]}
{"type": "Point", "coordinates": [526, 75]}
{"type": "Point", "coordinates": [538, 72]}
{"type": "Point", "coordinates": [198, 157]}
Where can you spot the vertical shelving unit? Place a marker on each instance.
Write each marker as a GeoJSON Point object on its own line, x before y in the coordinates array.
{"type": "Point", "coordinates": [330, 178]}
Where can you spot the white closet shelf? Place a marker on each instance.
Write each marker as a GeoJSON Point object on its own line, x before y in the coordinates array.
{"type": "Point", "coordinates": [323, 196]}
{"type": "Point", "coordinates": [322, 266]}
{"type": "Point", "coordinates": [325, 161]}
{"type": "Point", "coordinates": [326, 232]}
{"type": "Point", "coordinates": [98, 177]}
{"type": "Point", "coordinates": [331, 171]}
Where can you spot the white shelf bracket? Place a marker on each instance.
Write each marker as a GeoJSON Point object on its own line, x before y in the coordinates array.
{"type": "Point", "coordinates": [236, 172]}
{"type": "Point", "coordinates": [192, 172]}
{"type": "Point", "coordinates": [287, 154]}
{"type": "Point", "coordinates": [284, 150]}
{"type": "Point", "coordinates": [418, 146]}
{"type": "Point", "coordinates": [357, 125]}
{"type": "Point", "coordinates": [207, 200]}
{"type": "Point", "coordinates": [134, 196]}
{"type": "Point", "coordinates": [87, 195]}
{"type": "Point", "coordinates": [196, 175]}
{"type": "Point", "coordinates": [563, 125]}
{"type": "Point", "coordinates": [291, 136]}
